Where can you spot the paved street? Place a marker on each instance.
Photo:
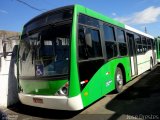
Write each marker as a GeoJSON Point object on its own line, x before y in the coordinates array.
{"type": "Point", "coordinates": [140, 99]}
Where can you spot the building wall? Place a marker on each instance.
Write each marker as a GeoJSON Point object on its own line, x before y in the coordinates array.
{"type": "Point", "coordinates": [8, 81]}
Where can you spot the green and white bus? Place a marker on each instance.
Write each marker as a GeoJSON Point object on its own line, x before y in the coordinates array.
{"type": "Point", "coordinates": [158, 49]}
{"type": "Point", "coordinates": [72, 56]}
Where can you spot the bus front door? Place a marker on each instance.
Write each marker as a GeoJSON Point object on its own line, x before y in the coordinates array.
{"type": "Point", "coordinates": [132, 54]}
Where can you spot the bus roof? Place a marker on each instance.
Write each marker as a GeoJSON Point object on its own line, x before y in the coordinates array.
{"type": "Point", "coordinates": [94, 14]}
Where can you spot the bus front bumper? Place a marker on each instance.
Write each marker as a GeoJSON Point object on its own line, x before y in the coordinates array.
{"type": "Point", "coordinates": [52, 102]}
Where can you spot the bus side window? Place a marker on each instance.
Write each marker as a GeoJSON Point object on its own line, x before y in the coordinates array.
{"type": "Point", "coordinates": [84, 19]}
{"type": "Point", "coordinates": [149, 44]}
{"type": "Point", "coordinates": [89, 44]}
{"type": "Point", "coordinates": [81, 43]}
{"type": "Point", "coordinates": [144, 44]}
{"type": "Point", "coordinates": [137, 38]}
{"type": "Point", "coordinates": [110, 42]}
{"type": "Point", "coordinates": [153, 44]}
{"type": "Point", "coordinates": [94, 46]}
{"type": "Point", "coordinates": [121, 42]}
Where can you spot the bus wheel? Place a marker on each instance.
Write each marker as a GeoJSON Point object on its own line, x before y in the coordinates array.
{"type": "Point", "coordinates": [151, 64]}
{"type": "Point", "coordinates": [118, 80]}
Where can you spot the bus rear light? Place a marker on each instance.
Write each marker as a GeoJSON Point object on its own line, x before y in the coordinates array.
{"type": "Point", "coordinates": [83, 82]}
{"type": "Point", "coordinates": [107, 73]}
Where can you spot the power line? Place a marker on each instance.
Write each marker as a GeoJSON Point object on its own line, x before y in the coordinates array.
{"type": "Point", "coordinates": [30, 6]}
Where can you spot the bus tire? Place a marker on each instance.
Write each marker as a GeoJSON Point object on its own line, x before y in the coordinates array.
{"type": "Point", "coordinates": [151, 64]}
{"type": "Point", "coordinates": [119, 78]}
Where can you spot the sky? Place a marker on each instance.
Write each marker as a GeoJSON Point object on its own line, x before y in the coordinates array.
{"type": "Point", "coordinates": [135, 13]}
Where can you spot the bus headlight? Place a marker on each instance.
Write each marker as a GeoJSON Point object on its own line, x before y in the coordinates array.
{"type": "Point", "coordinates": [63, 91]}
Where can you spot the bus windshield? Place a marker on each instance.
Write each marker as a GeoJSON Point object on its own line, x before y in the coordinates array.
{"type": "Point", "coordinates": [45, 52]}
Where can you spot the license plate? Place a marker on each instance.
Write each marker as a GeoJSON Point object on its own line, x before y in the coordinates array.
{"type": "Point", "coordinates": [37, 100]}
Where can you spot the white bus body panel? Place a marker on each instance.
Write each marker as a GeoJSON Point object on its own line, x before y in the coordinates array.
{"type": "Point", "coordinates": [53, 102]}
{"type": "Point", "coordinates": [143, 62]}
{"type": "Point", "coordinates": [132, 66]}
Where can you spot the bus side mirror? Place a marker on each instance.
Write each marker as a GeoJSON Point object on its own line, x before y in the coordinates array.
{"type": "Point", "coordinates": [88, 39]}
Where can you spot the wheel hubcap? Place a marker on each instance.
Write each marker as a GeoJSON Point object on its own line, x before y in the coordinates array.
{"type": "Point", "coordinates": [151, 65]}
{"type": "Point", "coordinates": [119, 79]}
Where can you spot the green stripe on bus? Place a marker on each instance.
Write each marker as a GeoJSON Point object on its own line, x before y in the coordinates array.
{"type": "Point", "coordinates": [74, 88]}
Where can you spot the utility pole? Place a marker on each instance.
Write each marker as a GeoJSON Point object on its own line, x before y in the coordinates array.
{"type": "Point", "coordinates": [145, 29]}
